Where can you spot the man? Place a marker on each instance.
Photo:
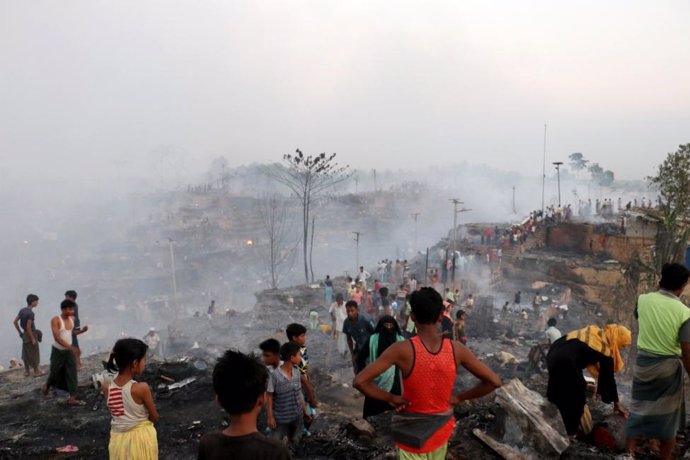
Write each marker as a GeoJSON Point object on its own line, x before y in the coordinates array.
{"type": "Point", "coordinates": [363, 276]}
{"type": "Point", "coordinates": [152, 340]}
{"type": "Point", "coordinates": [26, 326]}
{"type": "Point", "coordinates": [64, 355]}
{"type": "Point", "coordinates": [338, 316]}
{"type": "Point", "coordinates": [663, 350]}
{"type": "Point", "coordinates": [72, 295]}
{"type": "Point", "coordinates": [429, 365]}
{"type": "Point", "coordinates": [357, 329]}
{"type": "Point", "coordinates": [552, 333]}
{"type": "Point", "coordinates": [413, 283]}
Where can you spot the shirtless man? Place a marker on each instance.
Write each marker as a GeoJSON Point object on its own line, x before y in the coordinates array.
{"type": "Point", "coordinates": [64, 355]}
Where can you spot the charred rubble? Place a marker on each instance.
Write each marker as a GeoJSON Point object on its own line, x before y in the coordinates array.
{"type": "Point", "coordinates": [581, 275]}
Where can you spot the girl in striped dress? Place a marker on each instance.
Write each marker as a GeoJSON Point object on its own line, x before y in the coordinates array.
{"type": "Point", "coordinates": [132, 435]}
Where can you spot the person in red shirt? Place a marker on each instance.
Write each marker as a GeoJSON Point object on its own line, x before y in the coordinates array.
{"type": "Point", "coordinates": [429, 364]}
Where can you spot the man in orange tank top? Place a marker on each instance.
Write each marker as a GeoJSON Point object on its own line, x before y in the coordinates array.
{"type": "Point", "coordinates": [428, 363]}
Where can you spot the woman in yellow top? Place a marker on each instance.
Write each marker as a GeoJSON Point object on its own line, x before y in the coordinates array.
{"type": "Point", "coordinates": [593, 348]}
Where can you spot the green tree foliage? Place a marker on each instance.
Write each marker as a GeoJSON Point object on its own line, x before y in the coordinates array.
{"type": "Point", "coordinates": [577, 161]}
{"type": "Point", "coordinates": [673, 182]}
{"type": "Point", "coordinates": [308, 177]}
{"type": "Point", "coordinates": [601, 176]}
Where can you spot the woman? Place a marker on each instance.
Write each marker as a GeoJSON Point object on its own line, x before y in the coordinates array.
{"type": "Point", "coordinates": [387, 332]}
{"type": "Point", "coordinates": [599, 351]}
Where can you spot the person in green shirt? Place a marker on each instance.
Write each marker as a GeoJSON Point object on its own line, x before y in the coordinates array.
{"type": "Point", "coordinates": [663, 350]}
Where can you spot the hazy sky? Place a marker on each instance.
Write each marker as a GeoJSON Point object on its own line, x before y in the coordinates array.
{"type": "Point", "coordinates": [105, 88]}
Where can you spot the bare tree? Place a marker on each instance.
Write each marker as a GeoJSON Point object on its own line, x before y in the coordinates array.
{"type": "Point", "coordinates": [278, 251]}
{"type": "Point", "coordinates": [308, 178]}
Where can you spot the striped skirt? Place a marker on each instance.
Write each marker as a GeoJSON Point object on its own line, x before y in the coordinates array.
{"type": "Point", "coordinates": [139, 443]}
{"type": "Point", "coordinates": [657, 410]}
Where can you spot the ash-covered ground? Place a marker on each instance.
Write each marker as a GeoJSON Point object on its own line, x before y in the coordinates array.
{"type": "Point", "coordinates": [31, 427]}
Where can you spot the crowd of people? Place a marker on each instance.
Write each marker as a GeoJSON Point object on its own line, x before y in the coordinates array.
{"type": "Point", "coordinates": [404, 358]}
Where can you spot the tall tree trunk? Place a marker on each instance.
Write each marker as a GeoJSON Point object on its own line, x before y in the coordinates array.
{"type": "Point", "coordinates": [311, 249]}
{"type": "Point", "coordinates": [274, 282]}
{"type": "Point", "coordinates": [305, 239]}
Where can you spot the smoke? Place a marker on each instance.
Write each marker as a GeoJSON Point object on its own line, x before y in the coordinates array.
{"type": "Point", "coordinates": [116, 243]}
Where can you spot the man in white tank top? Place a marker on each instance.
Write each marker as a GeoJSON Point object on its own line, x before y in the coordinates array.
{"type": "Point", "coordinates": [64, 355]}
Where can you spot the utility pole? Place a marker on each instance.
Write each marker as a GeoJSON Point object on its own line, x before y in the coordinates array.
{"type": "Point", "coordinates": [357, 234]}
{"type": "Point", "coordinates": [543, 174]}
{"type": "Point", "coordinates": [514, 211]}
{"type": "Point", "coordinates": [174, 278]}
{"type": "Point", "coordinates": [414, 216]}
{"type": "Point", "coordinates": [558, 164]}
{"type": "Point", "coordinates": [455, 202]}
{"type": "Point", "coordinates": [374, 180]}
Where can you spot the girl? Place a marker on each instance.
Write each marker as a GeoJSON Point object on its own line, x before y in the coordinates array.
{"type": "Point", "coordinates": [459, 327]}
{"type": "Point", "coordinates": [130, 403]}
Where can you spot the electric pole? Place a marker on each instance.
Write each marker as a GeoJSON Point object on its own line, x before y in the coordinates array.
{"type": "Point", "coordinates": [543, 174]}
{"type": "Point", "coordinates": [357, 234]}
{"type": "Point", "coordinates": [558, 164]}
{"type": "Point", "coordinates": [455, 202]}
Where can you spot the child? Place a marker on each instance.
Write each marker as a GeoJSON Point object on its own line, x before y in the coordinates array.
{"type": "Point", "coordinates": [130, 403]}
{"type": "Point", "coordinates": [298, 334]}
{"type": "Point", "coordinates": [284, 403]}
{"type": "Point", "coordinates": [239, 382]}
{"type": "Point", "coordinates": [270, 352]}
{"type": "Point", "coordinates": [459, 327]}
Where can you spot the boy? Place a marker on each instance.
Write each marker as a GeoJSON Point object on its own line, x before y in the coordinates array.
{"type": "Point", "coordinates": [298, 334]}
{"type": "Point", "coordinates": [26, 326]}
{"type": "Point", "coordinates": [357, 329]}
{"type": "Point", "coordinates": [239, 382]}
{"type": "Point", "coordinates": [270, 352]}
{"type": "Point", "coordinates": [429, 367]}
{"type": "Point", "coordinates": [552, 333]}
{"type": "Point", "coordinates": [284, 402]}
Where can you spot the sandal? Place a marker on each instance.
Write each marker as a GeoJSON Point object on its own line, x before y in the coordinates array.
{"type": "Point", "coordinates": [77, 403]}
